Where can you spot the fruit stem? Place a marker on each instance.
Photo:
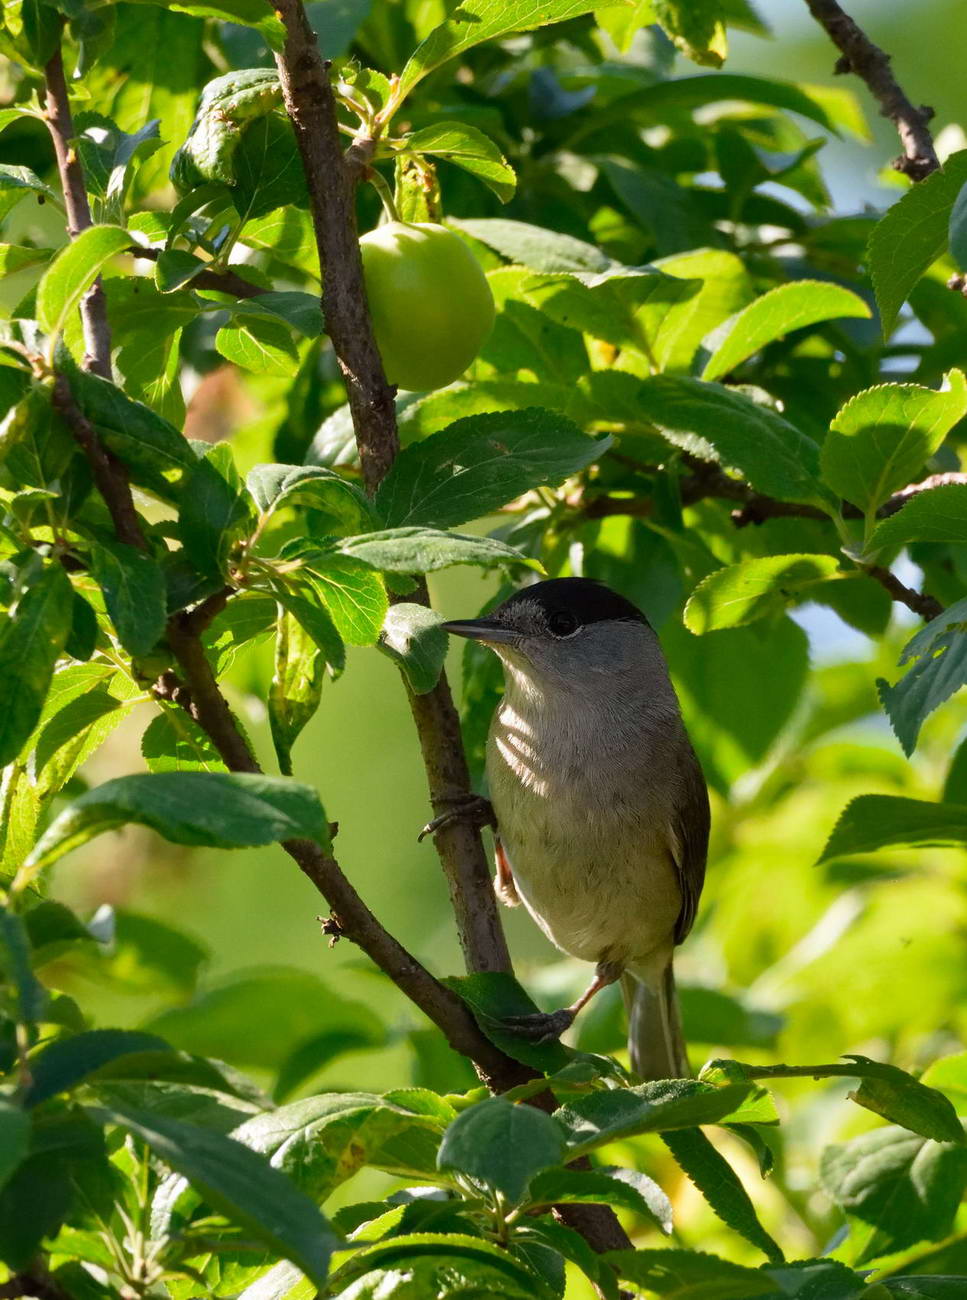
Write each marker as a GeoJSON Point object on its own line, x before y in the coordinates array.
{"type": "Point", "coordinates": [381, 186]}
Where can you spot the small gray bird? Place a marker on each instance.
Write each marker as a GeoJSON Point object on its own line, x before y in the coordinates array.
{"type": "Point", "coordinates": [601, 807]}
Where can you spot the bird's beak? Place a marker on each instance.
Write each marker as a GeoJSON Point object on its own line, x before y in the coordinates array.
{"type": "Point", "coordinates": [481, 629]}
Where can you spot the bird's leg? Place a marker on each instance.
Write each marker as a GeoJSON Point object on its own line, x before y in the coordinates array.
{"type": "Point", "coordinates": [473, 808]}
{"type": "Point", "coordinates": [504, 886]}
{"type": "Point", "coordinates": [544, 1026]}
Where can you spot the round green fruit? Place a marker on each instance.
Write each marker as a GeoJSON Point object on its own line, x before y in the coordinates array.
{"type": "Point", "coordinates": [429, 300]}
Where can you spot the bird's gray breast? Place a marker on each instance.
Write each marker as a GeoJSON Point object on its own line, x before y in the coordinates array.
{"type": "Point", "coordinates": [584, 792]}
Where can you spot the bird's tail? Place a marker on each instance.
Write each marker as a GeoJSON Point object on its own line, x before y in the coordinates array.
{"type": "Point", "coordinates": [655, 1041]}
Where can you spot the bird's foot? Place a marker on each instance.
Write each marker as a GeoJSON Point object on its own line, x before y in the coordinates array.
{"type": "Point", "coordinates": [472, 808]}
{"type": "Point", "coordinates": [540, 1026]}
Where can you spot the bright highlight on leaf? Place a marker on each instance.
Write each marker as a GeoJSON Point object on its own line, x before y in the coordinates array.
{"type": "Point", "coordinates": [73, 271]}
{"type": "Point", "coordinates": [777, 313]}
{"type": "Point", "coordinates": [224, 810]}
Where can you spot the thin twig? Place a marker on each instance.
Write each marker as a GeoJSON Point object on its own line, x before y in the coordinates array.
{"type": "Point", "coordinates": [921, 602]}
{"type": "Point", "coordinates": [109, 473]}
{"type": "Point", "coordinates": [97, 334]}
{"type": "Point", "coordinates": [860, 55]}
{"type": "Point", "coordinates": [221, 281]}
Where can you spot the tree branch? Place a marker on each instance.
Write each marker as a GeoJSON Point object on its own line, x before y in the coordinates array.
{"type": "Point", "coordinates": [331, 179]}
{"type": "Point", "coordinates": [311, 106]}
{"type": "Point", "coordinates": [921, 602]}
{"type": "Point", "coordinates": [97, 334]}
{"type": "Point", "coordinates": [110, 475]}
{"type": "Point", "coordinates": [860, 55]}
{"type": "Point", "coordinates": [221, 281]}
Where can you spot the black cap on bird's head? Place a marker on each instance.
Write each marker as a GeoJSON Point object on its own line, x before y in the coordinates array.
{"type": "Point", "coordinates": [556, 609]}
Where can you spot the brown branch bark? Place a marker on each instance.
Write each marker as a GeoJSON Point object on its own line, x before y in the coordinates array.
{"type": "Point", "coordinates": [57, 110]}
{"type": "Point", "coordinates": [921, 602]}
{"type": "Point", "coordinates": [109, 473]}
{"type": "Point", "coordinates": [331, 179]}
{"type": "Point", "coordinates": [868, 61]}
{"type": "Point", "coordinates": [311, 106]}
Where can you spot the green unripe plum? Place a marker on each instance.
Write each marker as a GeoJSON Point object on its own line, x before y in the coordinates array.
{"type": "Point", "coordinates": [429, 300]}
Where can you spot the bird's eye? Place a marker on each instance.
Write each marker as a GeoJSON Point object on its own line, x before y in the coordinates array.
{"type": "Point", "coordinates": [562, 623]}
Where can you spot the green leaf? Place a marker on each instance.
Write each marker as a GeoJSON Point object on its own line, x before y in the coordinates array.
{"type": "Point", "coordinates": [239, 1183]}
{"type": "Point", "coordinates": [175, 268]}
{"type": "Point", "coordinates": [897, 1187]}
{"type": "Point", "coordinates": [74, 732]}
{"type": "Point", "coordinates": [786, 308]}
{"type": "Point", "coordinates": [470, 149]}
{"type": "Point", "coordinates": [877, 821]}
{"type": "Point", "coordinates": [353, 594]}
{"type": "Point", "coordinates": [719, 424]}
{"type": "Point", "coordinates": [14, 258]}
{"type": "Point", "coordinates": [926, 1288]}
{"type": "Point", "coordinates": [174, 742]}
{"type": "Point", "coordinates": [603, 1117]}
{"type": "Point", "coordinates": [64, 1064]}
{"type": "Point", "coordinates": [413, 638]}
{"type": "Point", "coordinates": [903, 1100]}
{"type": "Point", "coordinates": [341, 506]}
{"type": "Point", "coordinates": [957, 233]}
{"type": "Point", "coordinates": [753, 589]}
{"type": "Point", "coordinates": [446, 1266]}
{"type": "Point", "coordinates": [880, 439]}
{"type": "Point", "coordinates": [268, 169]}
{"type": "Point", "coordinates": [73, 271]}
{"type": "Point", "coordinates": [251, 13]}
{"type": "Point", "coordinates": [30, 997]}
{"type": "Point", "coordinates": [134, 593]}
{"type": "Point", "coordinates": [479, 464]}
{"type": "Point", "coordinates": [691, 1275]}
{"type": "Point", "coordinates": [227, 104]}
{"type": "Point", "coordinates": [502, 1145]}
{"type": "Point", "coordinates": [263, 1019]}
{"type": "Point", "coordinates": [304, 601]}
{"type": "Point", "coordinates": [494, 997]}
{"type": "Point", "coordinates": [216, 512]}
{"type": "Point", "coordinates": [698, 30]}
{"type": "Point", "coordinates": [31, 640]}
{"type": "Point", "coordinates": [303, 311]}
{"type": "Point", "coordinates": [296, 686]}
{"type": "Point", "coordinates": [14, 1138]}
{"type": "Point", "coordinates": [829, 107]}
{"type": "Point", "coordinates": [263, 346]}
{"type": "Point", "coordinates": [221, 810]}
{"type": "Point", "coordinates": [153, 449]}
{"type": "Point", "coordinates": [424, 550]}
{"type": "Point", "coordinates": [912, 235]}
{"type": "Point", "coordinates": [939, 515]}
{"type": "Point", "coordinates": [534, 246]}
{"type": "Point", "coordinates": [321, 1141]}
{"type": "Point", "coordinates": [16, 183]}
{"type": "Point", "coordinates": [938, 654]}
{"type": "Point", "coordinates": [623, 1188]}
{"type": "Point", "coordinates": [607, 304]}
{"type": "Point", "coordinates": [719, 1184]}
{"type": "Point", "coordinates": [476, 21]}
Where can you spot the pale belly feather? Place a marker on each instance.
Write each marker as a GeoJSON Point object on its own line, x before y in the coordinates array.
{"type": "Point", "coordinates": [591, 857]}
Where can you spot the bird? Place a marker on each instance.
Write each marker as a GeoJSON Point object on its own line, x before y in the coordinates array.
{"type": "Point", "coordinates": [601, 807]}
